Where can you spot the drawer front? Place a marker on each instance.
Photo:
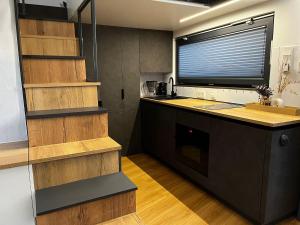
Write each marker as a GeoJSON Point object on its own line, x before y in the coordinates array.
{"type": "Point", "coordinates": [194, 120]}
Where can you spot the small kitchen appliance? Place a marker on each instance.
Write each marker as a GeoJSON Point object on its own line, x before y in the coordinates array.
{"type": "Point", "coordinates": [149, 88]}
{"type": "Point", "coordinates": [161, 88]}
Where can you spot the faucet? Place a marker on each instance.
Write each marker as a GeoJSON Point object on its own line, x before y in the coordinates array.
{"type": "Point", "coordinates": [173, 94]}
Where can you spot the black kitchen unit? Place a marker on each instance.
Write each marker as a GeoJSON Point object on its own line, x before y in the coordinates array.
{"type": "Point", "coordinates": [124, 54]}
{"type": "Point", "coordinates": [253, 168]}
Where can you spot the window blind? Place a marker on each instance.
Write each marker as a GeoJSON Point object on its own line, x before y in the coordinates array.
{"type": "Point", "coordinates": [239, 54]}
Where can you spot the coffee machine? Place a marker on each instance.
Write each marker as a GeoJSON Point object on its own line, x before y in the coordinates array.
{"type": "Point", "coordinates": [161, 89]}
{"type": "Point", "coordinates": [154, 88]}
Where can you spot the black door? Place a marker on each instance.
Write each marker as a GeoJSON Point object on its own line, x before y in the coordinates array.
{"type": "Point", "coordinates": [111, 77]}
{"type": "Point", "coordinates": [120, 81]}
{"type": "Point", "coordinates": [131, 86]}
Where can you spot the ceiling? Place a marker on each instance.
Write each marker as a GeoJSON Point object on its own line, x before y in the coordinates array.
{"type": "Point", "coordinates": [158, 14]}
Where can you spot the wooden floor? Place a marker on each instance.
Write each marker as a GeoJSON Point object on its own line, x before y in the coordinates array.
{"type": "Point", "coordinates": [165, 198]}
{"type": "Point", "coordinates": [131, 219]}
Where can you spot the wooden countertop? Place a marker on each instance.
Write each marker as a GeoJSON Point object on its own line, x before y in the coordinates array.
{"type": "Point", "coordinates": [240, 114]}
{"type": "Point", "coordinates": [13, 154]}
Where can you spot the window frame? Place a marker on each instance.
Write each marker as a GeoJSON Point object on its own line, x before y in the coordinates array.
{"type": "Point", "coordinates": [266, 20]}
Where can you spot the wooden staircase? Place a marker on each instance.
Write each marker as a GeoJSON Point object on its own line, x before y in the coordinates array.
{"type": "Point", "coordinates": [76, 165]}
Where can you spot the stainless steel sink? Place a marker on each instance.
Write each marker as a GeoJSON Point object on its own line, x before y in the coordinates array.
{"type": "Point", "coordinates": [167, 97]}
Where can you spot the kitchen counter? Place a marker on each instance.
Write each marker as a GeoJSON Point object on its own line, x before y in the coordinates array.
{"type": "Point", "coordinates": [245, 157]}
{"type": "Point", "coordinates": [241, 114]}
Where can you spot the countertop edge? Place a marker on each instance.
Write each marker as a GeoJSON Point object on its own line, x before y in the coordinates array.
{"type": "Point", "coordinates": [210, 112]}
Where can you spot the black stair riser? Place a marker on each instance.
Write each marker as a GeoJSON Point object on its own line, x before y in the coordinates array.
{"type": "Point", "coordinates": [42, 114]}
{"type": "Point", "coordinates": [46, 57]}
{"type": "Point", "coordinates": [41, 12]}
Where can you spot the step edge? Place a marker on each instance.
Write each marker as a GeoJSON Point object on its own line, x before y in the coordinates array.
{"type": "Point", "coordinates": [46, 19]}
{"type": "Point", "coordinates": [54, 209]}
{"type": "Point", "coordinates": [44, 114]}
{"type": "Point", "coordinates": [52, 57]}
{"type": "Point", "coordinates": [48, 37]}
{"type": "Point", "coordinates": [55, 85]}
{"type": "Point", "coordinates": [83, 202]}
{"type": "Point", "coordinates": [40, 160]}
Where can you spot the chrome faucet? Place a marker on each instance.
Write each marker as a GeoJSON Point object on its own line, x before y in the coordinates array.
{"type": "Point", "coordinates": [173, 93]}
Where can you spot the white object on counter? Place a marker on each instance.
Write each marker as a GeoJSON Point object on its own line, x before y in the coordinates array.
{"type": "Point", "coordinates": [277, 101]}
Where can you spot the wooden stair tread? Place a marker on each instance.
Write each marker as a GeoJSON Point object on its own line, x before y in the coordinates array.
{"type": "Point", "coordinates": [50, 85]}
{"type": "Point", "coordinates": [65, 112]}
{"type": "Point", "coordinates": [79, 192]}
{"type": "Point", "coordinates": [49, 57]}
{"type": "Point", "coordinates": [13, 154]}
{"type": "Point", "coordinates": [54, 152]}
{"type": "Point", "coordinates": [47, 37]}
{"type": "Point", "coordinates": [131, 219]}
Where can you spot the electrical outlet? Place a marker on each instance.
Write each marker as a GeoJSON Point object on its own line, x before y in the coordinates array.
{"type": "Point", "coordinates": [286, 58]}
{"type": "Point", "coordinates": [286, 67]}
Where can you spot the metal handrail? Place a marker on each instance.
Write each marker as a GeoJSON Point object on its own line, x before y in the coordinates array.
{"type": "Point", "coordinates": [23, 8]}
{"type": "Point", "coordinates": [94, 35]}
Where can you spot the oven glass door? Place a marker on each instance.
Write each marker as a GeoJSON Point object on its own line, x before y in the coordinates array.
{"type": "Point", "coordinates": [192, 148]}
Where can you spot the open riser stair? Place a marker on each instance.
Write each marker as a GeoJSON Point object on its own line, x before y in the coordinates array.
{"type": "Point", "coordinates": [76, 165]}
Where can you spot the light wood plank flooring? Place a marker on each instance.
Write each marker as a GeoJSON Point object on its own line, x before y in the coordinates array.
{"type": "Point", "coordinates": [165, 198]}
{"type": "Point", "coordinates": [131, 219]}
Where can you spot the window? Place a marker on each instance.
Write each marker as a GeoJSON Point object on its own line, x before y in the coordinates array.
{"type": "Point", "coordinates": [236, 54]}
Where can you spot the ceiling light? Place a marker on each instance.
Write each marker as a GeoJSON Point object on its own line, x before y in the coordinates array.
{"type": "Point", "coordinates": [208, 11]}
{"type": "Point", "coordinates": [182, 3]}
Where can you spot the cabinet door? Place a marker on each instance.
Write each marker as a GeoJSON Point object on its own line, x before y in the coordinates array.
{"type": "Point", "coordinates": [131, 85]}
{"type": "Point", "coordinates": [156, 51]}
{"type": "Point", "coordinates": [158, 130]}
{"type": "Point", "coordinates": [110, 66]}
{"type": "Point", "coordinates": [236, 165]}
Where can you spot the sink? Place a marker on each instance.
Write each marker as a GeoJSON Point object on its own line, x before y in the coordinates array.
{"type": "Point", "coordinates": [167, 97]}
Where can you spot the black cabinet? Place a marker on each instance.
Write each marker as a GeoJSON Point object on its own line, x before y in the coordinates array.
{"type": "Point", "coordinates": [281, 188]}
{"type": "Point", "coordinates": [237, 164]}
{"type": "Point", "coordinates": [158, 135]}
{"type": "Point", "coordinates": [255, 169]}
{"type": "Point", "coordinates": [123, 53]}
{"type": "Point", "coordinates": [156, 49]}
{"type": "Point", "coordinates": [119, 70]}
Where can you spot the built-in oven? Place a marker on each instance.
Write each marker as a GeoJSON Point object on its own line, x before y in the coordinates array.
{"type": "Point", "coordinates": [192, 148]}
